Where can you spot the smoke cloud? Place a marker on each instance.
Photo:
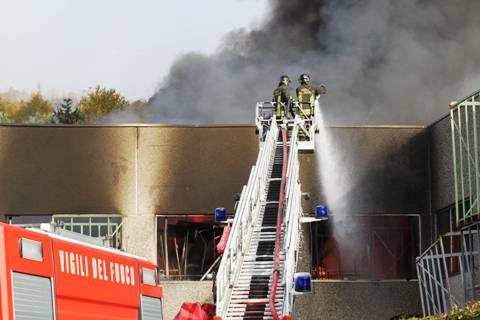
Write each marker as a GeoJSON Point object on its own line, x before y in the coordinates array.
{"type": "Point", "coordinates": [384, 62]}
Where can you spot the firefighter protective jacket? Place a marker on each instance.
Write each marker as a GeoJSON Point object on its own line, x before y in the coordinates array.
{"type": "Point", "coordinates": [306, 95]}
{"type": "Point", "coordinates": [282, 94]}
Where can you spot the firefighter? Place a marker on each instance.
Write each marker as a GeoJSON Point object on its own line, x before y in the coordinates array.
{"type": "Point", "coordinates": [282, 97]}
{"type": "Point", "coordinates": [307, 94]}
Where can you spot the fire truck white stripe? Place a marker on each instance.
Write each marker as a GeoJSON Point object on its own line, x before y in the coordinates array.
{"type": "Point", "coordinates": [55, 236]}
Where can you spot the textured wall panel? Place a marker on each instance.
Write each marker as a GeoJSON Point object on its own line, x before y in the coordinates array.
{"type": "Point", "coordinates": [368, 170]}
{"type": "Point", "coordinates": [441, 164]}
{"type": "Point", "coordinates": [46, 170]}
{"type": "Point", "coordinates": [359, 300]}
{"type": "Point", "coordinates": [194, 169]}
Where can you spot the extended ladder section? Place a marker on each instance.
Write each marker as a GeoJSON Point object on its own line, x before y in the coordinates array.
{"type": "Point", "coordinates": [255, 277]}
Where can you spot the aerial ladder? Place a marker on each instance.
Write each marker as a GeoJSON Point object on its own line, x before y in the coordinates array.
{"type": "Point", "coordinates": [255, 279]}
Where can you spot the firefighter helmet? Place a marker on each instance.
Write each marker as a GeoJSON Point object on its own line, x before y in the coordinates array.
{"type": "Point", "coordinates": [285, 80]}
{"type": "Point", "coordinates": [304, 78]}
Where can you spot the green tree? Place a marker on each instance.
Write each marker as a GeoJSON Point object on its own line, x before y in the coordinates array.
{"type": "Point", "coordinates": [9, 108]}
{"type": "Point", "coordinates": [35, 110]}
{"type": "Point", "coordinates": [102, 101]}
{"type": "Point", "coordinates": [67, 114]}
{"type": "Point", "coordinates": [4, 118]}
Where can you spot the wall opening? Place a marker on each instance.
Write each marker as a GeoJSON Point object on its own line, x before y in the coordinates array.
{"type": "Point", "coordinates": [373, 247]}
{"type": "Point", "coordinates": [186, 246]}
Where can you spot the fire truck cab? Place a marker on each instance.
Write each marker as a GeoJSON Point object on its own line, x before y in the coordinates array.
{"type": "Point", "coordinates": [47, 276]}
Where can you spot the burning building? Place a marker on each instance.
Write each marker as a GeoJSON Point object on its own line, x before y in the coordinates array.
{"type": "Point", "coordinates": [152, 190]}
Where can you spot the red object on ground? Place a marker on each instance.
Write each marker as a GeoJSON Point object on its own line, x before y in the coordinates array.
{"type": "Point", "coordinates": [209, 309]}
{"type": "Point", "coordinates": [196, 311]}
{"type": "Point", "coordinates": [222, 244]}
{"type": "Point", "coordinates": [75, 280]}
{"type": "Point", "coordinates": [281, 203]}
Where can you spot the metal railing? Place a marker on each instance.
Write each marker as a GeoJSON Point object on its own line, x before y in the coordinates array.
{"type": "Point", "coordinates": [293, 213]}
{"type": "Point", "coordinates": [448, 271]}
{"type": "Point", "coordinates": [466, 166]}
{"type": "Point", "coordinates": [307, 125]}
{"type": "Point", "coordinates": [248, 208]}
{"type": "Point", "coordinates": [107, 227]}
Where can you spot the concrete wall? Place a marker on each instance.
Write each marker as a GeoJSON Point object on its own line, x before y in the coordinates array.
{"type": "Point", "coordinates": [359, 300]}
{"type": "Point", "coordinates": [440, 136]}
{"type": "Point", "coordinates": [368, 170]}
{"type": "Point", "coordinates": [193, 169]}
{"type": "Point", "coordinates": [136, 171]}
{"type": "Point", "coordinates": [159, 169]}
{"type": "Point", "coordinates": [334, 300]}
{"type": "Point", "coordinates": [141, 171]}
{"type": "Point", "coordinates": [178, 170]}
{"type": "Point", "coordinates": [45, 170]}
{"type": "Point", "coordinates": [441, 164]}
{"type": "Point", "coordinates": [178, 292]}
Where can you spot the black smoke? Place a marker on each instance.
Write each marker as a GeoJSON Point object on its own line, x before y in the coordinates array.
{"type": "Point", "coordinates": [384, 62]}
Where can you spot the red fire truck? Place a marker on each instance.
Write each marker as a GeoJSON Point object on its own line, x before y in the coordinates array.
{"type": "Point", "coordinates": [47, 276]}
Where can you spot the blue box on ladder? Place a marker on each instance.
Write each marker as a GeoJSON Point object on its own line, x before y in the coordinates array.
{"type": "Point", "coordinates": [221, 214]}
{"type": "Point", "coordinates": [321, 212]}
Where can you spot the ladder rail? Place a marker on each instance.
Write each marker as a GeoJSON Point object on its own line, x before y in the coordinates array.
{"type": "Point", "coordinates": [293, 213]}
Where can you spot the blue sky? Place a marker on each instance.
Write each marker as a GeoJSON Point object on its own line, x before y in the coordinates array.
{"type": "Point", "coordinates": [70, 45]}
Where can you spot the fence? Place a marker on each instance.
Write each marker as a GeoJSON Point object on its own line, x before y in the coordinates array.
{"type": "Point", "coordinates": [466, 166]}
{"type": "Point", "coordinates": [448, 271]}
